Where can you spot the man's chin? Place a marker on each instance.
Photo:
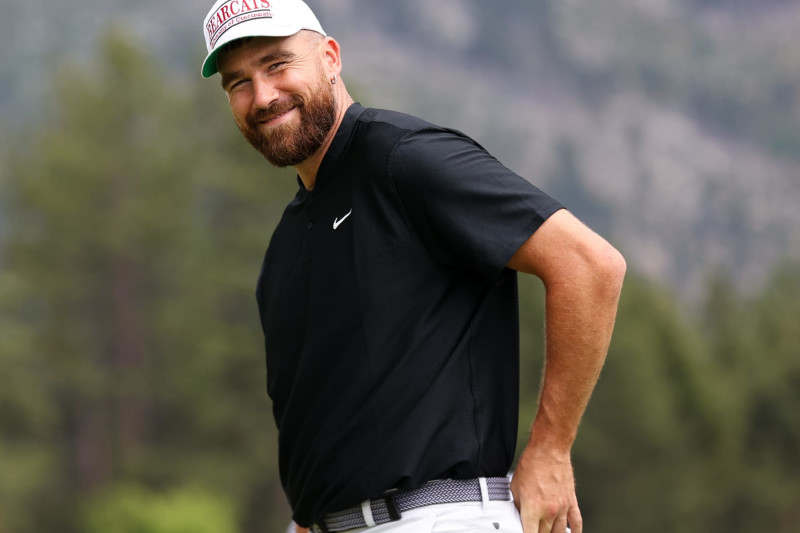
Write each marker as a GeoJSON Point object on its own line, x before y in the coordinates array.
{"type": "Point", "coordinates": [280, 158]}
{"type": "Point", "coordinates": [280, 162]}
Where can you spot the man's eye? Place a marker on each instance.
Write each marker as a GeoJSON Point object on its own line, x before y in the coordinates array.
{"type": "Point", "coordinates": [277, 65]}
{"type": "Point", "coordinates": [236, 85]}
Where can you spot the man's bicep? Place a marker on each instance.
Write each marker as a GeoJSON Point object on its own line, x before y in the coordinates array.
{"type": "Point", "coordinates": [561, 244]}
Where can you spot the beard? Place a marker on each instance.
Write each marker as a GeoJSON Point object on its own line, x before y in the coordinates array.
{"type": "Point", "coordinates": [292, 143]}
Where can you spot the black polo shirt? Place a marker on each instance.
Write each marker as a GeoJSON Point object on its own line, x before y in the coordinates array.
{"type": "Point", "coordinates": [390, 319]}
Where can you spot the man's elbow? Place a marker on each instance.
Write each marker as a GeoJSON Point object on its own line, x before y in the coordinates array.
{"type": "Point", "coordinates": [609, 271]}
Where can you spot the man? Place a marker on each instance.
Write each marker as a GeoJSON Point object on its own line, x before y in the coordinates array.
{"type": "Point", "coordinates": [387, 298]}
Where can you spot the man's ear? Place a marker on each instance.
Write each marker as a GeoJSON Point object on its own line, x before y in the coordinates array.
{"type": "Point", "coordinates": [331, 56]}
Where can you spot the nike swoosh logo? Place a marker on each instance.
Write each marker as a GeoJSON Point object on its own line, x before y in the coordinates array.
{"type": "Point", "coordinates": [337, 222]}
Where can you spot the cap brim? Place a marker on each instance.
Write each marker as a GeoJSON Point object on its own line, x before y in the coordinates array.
{"type": "Point", "coordinates": [210, 63]}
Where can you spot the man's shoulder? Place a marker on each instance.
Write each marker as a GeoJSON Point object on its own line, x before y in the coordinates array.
{"type": "Point", "coordinates": [377, 134]}
{"type": "Point", "coordinates": [393, 129]}
{"type": "Point", "coordinates": [396, 119]}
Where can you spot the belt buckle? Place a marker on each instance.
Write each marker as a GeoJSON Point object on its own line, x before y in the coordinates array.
{"type": "Point", "coordinates": [316, 528]}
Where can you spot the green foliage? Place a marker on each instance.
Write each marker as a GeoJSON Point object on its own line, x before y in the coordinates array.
{"type": "Point", "coordinates": [135, 510]}
{"type": "Point", "coordinates": [693, 424]}
{"type": "Point", "coordinates": [136, 223]}
{"type": "Point", "coordinates": [133, 225]}
{"type": "Point", "coordinates": [650, 421]}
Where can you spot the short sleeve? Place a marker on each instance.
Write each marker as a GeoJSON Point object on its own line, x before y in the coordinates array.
{"type": "Point", "coordinates": [468, 209]}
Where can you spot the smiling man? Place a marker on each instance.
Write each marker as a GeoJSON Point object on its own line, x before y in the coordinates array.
{"type": "Point", "coordinates": [388, 301]}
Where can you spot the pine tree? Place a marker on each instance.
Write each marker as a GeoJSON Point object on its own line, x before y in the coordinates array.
{"type": "Point", "coordinates": [135, 222]}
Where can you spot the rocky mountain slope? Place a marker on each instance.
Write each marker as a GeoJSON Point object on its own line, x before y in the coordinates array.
{"type": "Point", "coordinates": [673, 126]}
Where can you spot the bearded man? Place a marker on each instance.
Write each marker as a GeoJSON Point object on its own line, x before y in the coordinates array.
{"type": "Point", "coordinates": [388, 301]}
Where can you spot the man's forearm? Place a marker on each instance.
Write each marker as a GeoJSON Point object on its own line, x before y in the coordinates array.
{"type": "Point", "coordinates": [582, 275]}
{"type": "Point", "coordinates": [580, 316]}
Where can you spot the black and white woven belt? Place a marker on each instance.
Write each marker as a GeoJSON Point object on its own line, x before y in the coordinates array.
{"type": "Point", "coordinates": [390, 507]}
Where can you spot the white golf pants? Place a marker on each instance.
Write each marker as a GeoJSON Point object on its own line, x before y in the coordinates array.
{"type": "Point", "coordinates": [478, 517]}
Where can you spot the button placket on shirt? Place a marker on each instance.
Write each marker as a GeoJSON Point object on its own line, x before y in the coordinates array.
{"type": "Point", "coordinates": [309, 202]}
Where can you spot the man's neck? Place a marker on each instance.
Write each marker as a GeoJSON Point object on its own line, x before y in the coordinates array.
{"type": "Point", "coordinates": [307, 170]}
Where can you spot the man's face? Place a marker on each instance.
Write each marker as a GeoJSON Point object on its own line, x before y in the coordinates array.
{"type": "Point", "coordinates": [280, 96]}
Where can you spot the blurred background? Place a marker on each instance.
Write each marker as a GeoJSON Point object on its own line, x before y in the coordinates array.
{"type": "Point", "coordinates": [133, 220]}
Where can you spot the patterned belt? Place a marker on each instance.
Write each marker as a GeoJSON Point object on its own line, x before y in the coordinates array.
{"type": "Point", "coordinates": [390, 507]}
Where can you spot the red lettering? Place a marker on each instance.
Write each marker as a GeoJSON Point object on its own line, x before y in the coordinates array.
{"type": "Point", "coordinates": [230, 10]}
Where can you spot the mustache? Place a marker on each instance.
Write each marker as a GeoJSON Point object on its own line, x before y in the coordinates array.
{"type": "Point", "coordinates": [275, 109]}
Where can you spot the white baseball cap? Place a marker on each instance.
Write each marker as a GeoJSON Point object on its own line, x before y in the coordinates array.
{"type": "Point", "coordinates": [229, 20]}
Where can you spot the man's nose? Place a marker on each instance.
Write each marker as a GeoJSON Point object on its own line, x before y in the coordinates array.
{"type": "Point", "coordinates": [264, 93]}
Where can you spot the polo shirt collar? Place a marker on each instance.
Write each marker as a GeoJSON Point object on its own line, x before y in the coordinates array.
{"type": "Point", "coordinates": [338, 146]}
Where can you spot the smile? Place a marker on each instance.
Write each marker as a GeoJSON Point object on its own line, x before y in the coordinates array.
{"type": "Point", "coordinates": [276, 119]}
